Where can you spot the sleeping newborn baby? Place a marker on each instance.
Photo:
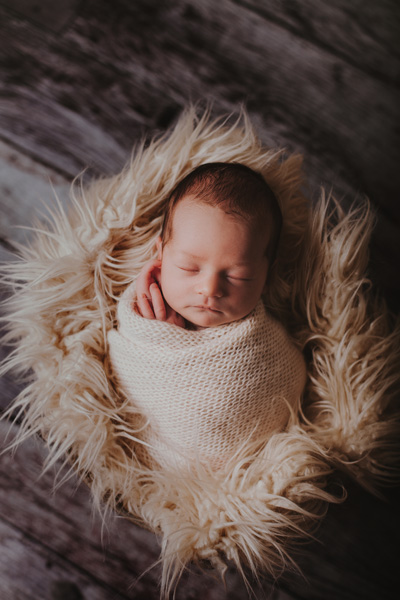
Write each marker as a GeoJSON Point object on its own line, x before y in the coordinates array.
{"type": "Point", "coordinates": [195, 350]}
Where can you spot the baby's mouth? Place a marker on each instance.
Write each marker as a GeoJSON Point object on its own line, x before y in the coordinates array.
{"type": "Point", "coordinates": [209, 308]}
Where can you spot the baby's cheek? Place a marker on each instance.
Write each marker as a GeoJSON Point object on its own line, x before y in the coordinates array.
{"type": "Point", "coordinates": [172, 295]}
{"type": "Point", "coordinates": [249, 297]}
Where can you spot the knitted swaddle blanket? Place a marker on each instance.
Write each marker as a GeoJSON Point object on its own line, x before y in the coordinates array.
{"type": "Point", "coordinates": [206, 393]}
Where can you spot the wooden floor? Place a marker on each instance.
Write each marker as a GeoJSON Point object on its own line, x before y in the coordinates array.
{"type": "Point", "coordinates": [81, 82]}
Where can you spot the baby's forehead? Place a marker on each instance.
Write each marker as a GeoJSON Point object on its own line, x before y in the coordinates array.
{"type": "Point", "coordinates": [199, 229]}
{"type": "Point", "coordinates": [220, 213]}
{"type": "Point", "coordinates": [212, 204]}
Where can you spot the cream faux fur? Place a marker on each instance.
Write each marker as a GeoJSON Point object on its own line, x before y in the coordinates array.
{"type": "Point", "coordinates": [66, 287]}
{"type": "Point", "coordinates": [205, 393]}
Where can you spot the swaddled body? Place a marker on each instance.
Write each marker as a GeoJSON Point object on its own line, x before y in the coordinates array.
{"type": "Point", "coordinates": [208, 392]}
{"type": "Point", "coordinates": [219, 372]}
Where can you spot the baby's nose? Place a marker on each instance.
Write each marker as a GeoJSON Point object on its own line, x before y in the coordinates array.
{"type": "Point", "coordinates": [211, 286]}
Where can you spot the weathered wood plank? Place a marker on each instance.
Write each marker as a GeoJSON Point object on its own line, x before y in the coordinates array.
{"type": "Point", "coordinates": [26, 188]}
{"type": "Point", "coordinates": [365, 34]}
{"type": "Point", "coordinates": [45, 575]}
{"type": "Point", "coordinates": [320, 78]}
{"type": "Point", "coordinates": [355, 556]}
{"type": "Point", "coordinates": [46, 13]}
{"type": "Point", "coordinates": [356, 548]}
{"type": "Point", "coordinates": [84, 97]}
{"type": "Point", "coordinates": [140, 63]}
{"type": "Point", "coordinates": [62, 524]}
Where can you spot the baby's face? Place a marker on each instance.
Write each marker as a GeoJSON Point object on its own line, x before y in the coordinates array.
{"type": "Point", "coordinates": [214, 266]}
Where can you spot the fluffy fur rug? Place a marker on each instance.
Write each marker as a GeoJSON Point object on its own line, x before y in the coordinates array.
{"type": "Point", "coordinates": [65, 290]}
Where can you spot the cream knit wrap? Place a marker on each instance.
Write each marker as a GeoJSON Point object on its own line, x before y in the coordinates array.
{"type": "Point", "coordinates": [206, 393]}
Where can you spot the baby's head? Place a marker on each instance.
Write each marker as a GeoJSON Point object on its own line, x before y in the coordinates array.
{"type": "Point", "coordinates": [219, 238]}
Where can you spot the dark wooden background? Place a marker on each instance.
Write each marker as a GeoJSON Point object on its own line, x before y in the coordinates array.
{"type": "Point", "coordinates": [81, 82]}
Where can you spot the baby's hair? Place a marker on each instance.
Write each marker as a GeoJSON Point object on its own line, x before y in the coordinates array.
{"type": "Point", "coordinates": [237, 190]}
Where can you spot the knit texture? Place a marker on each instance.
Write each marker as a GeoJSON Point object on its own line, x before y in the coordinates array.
{"type": "Point", "coordinates": [206, 393]}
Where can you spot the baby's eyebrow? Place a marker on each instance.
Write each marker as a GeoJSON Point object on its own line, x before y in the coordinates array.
{"type": "Point", "coordinates": [189, 254]}
{"type": "Point", "coordinates": [244, 263]}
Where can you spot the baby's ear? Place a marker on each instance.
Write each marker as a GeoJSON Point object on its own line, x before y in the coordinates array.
{"type": "Point", "coordinates": [268, 277]}
{"type": "Point", "coordinates": [159, 247]}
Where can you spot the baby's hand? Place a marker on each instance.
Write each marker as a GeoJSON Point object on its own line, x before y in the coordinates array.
{"type": "Point", "coordinates": [150, 301]}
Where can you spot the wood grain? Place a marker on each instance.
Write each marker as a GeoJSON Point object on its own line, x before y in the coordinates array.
{"type": "Point", "coordinates": [321, 79]}
{"type": "Point", "coordinates": [26, 189]}
{"type": "Point", "coordinates": [80, 84]}
{"type": "Point", "coordinates": [58, 538]}
{"type": "Point", "coordinates": [355, 555]}
{"type": "Point", "coordinates": [92, 97]}
{"type": "Point", "coordinates": [363, 34]}
{"type": "Point", "coordinates": [61, 523]}
{"type": "Point", "coordinates": [50, 15]}
{"type": "Point", "coordinates": [45, 575]}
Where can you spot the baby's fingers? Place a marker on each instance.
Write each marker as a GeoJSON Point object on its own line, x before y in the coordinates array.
{"type": "Point", "coordinates": [157, 299]}
{"type": "Point", "coordinates": [144, 306]}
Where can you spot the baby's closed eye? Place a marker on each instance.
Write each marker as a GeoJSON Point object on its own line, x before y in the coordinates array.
{"type": "Point", "coordinates": [189, 269]}
{"type": "Point", "coordinates": [226, 275]}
